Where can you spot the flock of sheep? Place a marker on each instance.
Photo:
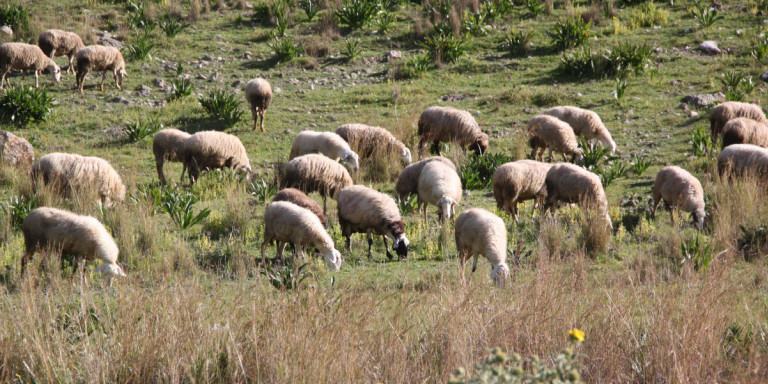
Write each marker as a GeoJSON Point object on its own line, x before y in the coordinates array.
{"type": "Point", "coordinates": [325, 162]}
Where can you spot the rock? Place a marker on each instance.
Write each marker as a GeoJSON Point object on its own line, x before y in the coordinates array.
{"type": "Point", "coordinates": [200, 76]}
{"type": "Point", "coordinates": [115, 133]}
{"type": "Point", "coordinates": [206, 57]}
{"type": "Point", "coordinates": [15, 151]}
{"type": "Point", "coordinates": [764, 77]}
{"type": "Point", "coordinates": [453, 97]}
{"type": "Point", "coordinates": [704, 100]}
{"type": "Point", "coordinates": [693, 114]}
{"type": "Point", "coordinates": [277, 90]}
{"type": "Point", "coordinates": [110, 42]}
{"type": "Point", "coordinates": [6, 30]}
{"type": "Point", "coordinates": [143, 91]}
{"type": "Point", "coordinates": [120, 99]}
{"type": "Point", "coordinates": [160, 83]}
{"type": "Point", "coordinates": [237, 84]}
{"type": "Point", "coordinates": [393, 55]}
{"type": "Point", "coordinates": [709, 47]}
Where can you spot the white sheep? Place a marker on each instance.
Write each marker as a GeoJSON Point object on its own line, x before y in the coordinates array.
{"type": "Point", "coordinates": [408, 180]}
{"type": "Point", "coordinates": [55, 42]}
{"type": "Point", "coordinates": [438, 124]}
{"type": "Point", "coordinates": [743, 160]}
{"type": "Point", "coordinates": [479, 232]}
{"type": "Point", "coordinates": [439, 185]}
{"type": "Point", "coordinates": [365, 210]}
{"type": "Point", "coordinates": [207, 150]}
{"type": "Point", "coordinates": [742, 130]}
{"type": "Point", "coordinates": [301, 199]}
{"type": "Point", "coordinates": [585, 123]}
{"type": "Point", "coordinates": [326, 143]}
{"type": "Point", "coordinates": [24, 57]}
{"type": "Point", "coordinates": [568, 183]}
{"type": "Point", "coordinates": [285, 222]}
{"type": "Point", "coordinates": [100, 58]}
{"type": "Point", "coordinates": [315, 173]}
{"type": "Point", "coordinates": [68, 172]}
{"type": "Point", "coordinates": [168, 145]}
{"type": "Point", "coordinates": [369, 141]}
{"type": "Point", "coordinates": [679, 189]}
{"type": "Point", "coordinates": [724, 112]}
{"type": "Point", "coordinates": [83, 236]}
{"type": "Point", "coordinates": [549, 132]}
{"type": "Point", "coordinates": [518, 181]}
{"type": "Point", "coordinates": [258, 92]}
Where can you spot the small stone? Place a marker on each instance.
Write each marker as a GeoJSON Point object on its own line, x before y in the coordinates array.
{"type": "Point", "coordinates": [206, 57]}
{"type": "Point", "coordinates": [764, 77]}
{"type": "Point", "coordinates": [693, 114]}
{"type": "Point", "coordinates": [110, 42]}
{"type": "Point", "coordinates": [393, 55]}
{"type": "Point", "coordinates": [704, 100]}
{"type": "Point", "coordinates": [143, 91]}
{"type": "Point", "coordinates": [200, 76]}
{"type": "Point", "coordinates": [709, 47]}
{"type": "Point", "coordinates": [277, 90]}
{"type": "Point", "coordinates": [120, 99]}
{"type": "Point", "coordinates": [160, 83]}
{"type": "Point", "coordinates": [6, 30]}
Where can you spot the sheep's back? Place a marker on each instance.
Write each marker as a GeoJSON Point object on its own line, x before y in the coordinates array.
{"type": "Point", "coordinates": [362, 205]}
{"type": "Point", "coordinates": [438, 179]}
{"type": "Point", "coordinates": [299, 198]}
{"type": "Point", "coordinates": [482, 232]}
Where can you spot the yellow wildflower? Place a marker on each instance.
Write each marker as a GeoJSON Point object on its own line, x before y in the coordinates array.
{"type": "Point", "coordinates": [576, 335]}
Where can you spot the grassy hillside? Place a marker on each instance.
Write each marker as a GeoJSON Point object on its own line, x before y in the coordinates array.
{"type": "Point", "coordinates": [659, 302]}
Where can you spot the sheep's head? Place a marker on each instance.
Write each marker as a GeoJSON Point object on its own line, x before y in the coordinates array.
{"type": "Point", "coordinates": [332, 259]}
{"type": "Point", "coordinates": [698, 218]}
{"type": "Point", "coordinates": [120, 75]}
{"type": "Point", "coordinates": [447, 207]}
{"type": "Point", "coordinates": [405, 155]}
{"type": "Point", "coordinates": [499, 274]}
{"type": "Point", "coordinates": [54, 70]}
{"type": "Point", "coordinates": [352, 161]}
{"type": "Point", "coordinates": [110, 271]}
{"type": "Point", "coordinates": [400, 244]}
{"type": "Point", "coordinates": [480, 145]}
{"type": "Point", "coordinates": [578, 156]}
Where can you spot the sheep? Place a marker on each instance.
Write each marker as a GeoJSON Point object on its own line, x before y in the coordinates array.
{"type": "Point", "coordinates": [327, 143]}
{"type": "Point", "coordinates": [26, 57]}
{"type": "Point", "coordinates": [167, 145]}
{"type": "Point", "coordinates": [584, 123]}
{"type": "Point", "coordinates": [206, 150]}
{"type": "Point", "coordinates": [518, 181]}
{"type": "Point", "coordinates": [678, 188]}
{"type": "Point", "coordinates": [299, 198]}
{"type": "Point", "coordinates": [479, 232]}
{"type": "Point", "coordinates": [82, 236]}
{"type": "Point", "coordinates": [570, 183]}
{"type": "Point", "coordinates": [743, 160]}
{"type": "Point", "coordinates": [258, 92]}
{"type": "Point", "coordinates": [55, 42]}
{"type": "Point", "coordinates": [439, 185]}
{"type": "Point", "coordinates": [439, 124]}
{"type": "Point", "coordinates": [285, 222]}
{"type": "Point", "coordinates": [68, 172]}
{"type": "Point", "coordinates": [546, 131]}
{"type": "Point", "coordinates": [365, 210]}
{"type": "Point", "coordinates": [315, 173]}
{"type": "Point", "coordinates": [369, 141]}
{"type": "Point", "coordinates": [724, 112]}
{"type": "Point", "coordinates": [742, 130]}
{"type": "Point", "coordinates": [408, 180]}
{"type": "Point", "coordinates": [100, 58]}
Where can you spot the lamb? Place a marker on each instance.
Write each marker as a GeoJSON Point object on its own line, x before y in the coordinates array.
{"type": "Point", "coordinates": [285, 222]}
{"type": "Point", "coordinates": [24, 57]}
{"type": "Point", "coordinates": [479, 232]}
{"type": "Point", "coordinates": [439, 124]}
{"type": "Point", "coordinates": [315, 173]}
{"type": "Point", "coordinates": [100, 58]}
{"type": "Point", "coordinates": [365, 210]}
{"type": "Point", "coordinates": [408, 180]}
{"type": "Point", "coordinates": [742, 130]}
{"type": "Point", "coordinates": [55, 42]}
{"type": "Point", "coordinates": [328, 144]}
{"type": "Point", "coordinates": [82, 236]}
{"type": "Point", "coordinates": [570, 183]}
{"type": "Point", "coordinates": [439, 185]}
{"type": "Point", "coordinates": [518, 181]}
{"type": "Point", "coordinates": [208, 150]}
{"type": "Point", "coordinates": [299, 198]}
{"type": "Point", "coordinates": [724, 112]}
{"type": "Point", "coordinates": [258, 92]}
{"type": "Point", "coordinates": [167, 145]}
{"type": "Point", "coordinates": [585, 123]}
{"type": "Point", "coordinates": [369, 141]}
{"type": "Point", "coordinates": [546, 131]}
{"type": "Point", "coordinates": [678, 188]}
{"type": "Point", "coordinates": [743, 160]}
{"type": "Point", "coordinates": [68, 173]}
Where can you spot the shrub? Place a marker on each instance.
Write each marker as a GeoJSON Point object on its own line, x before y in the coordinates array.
{"type": "Point", "coordinates": [182, 86]}
{"type": "Point", "coordinates": [759, 49]}
{"type": "Point", "coordinates": [412, 68]}
{"type": "Point", "coordinates": [18, 208]}
{"type": "Point", "coordinates": [697, 251]}
{"type": "Point", "coordinates": [736, 86]}
{"type": "Point", "coordinates": [284, 49]}
{"type": "Point", "coordinates": [138, 17]}
{"type": "Point", "coordinates": [704, 14]}
{"type": "Point", "coordinates": [752, 241]}
{"type": "Point", "coordinates": [172, 25]}
{"type": "Point", "coordinates": [15, 16]}
{"type": "Point", "coordinates": [647, 15]}
{"type": "Point", "coordinates": [534, 7]}
{"type": "Point", "coordinates": [180, 206]}
{"type": "Point", "coordinates": [477, 173]}
{"type": "Point", "coordinates": [352, 49]}
{"type": "Point", "coordinates": [628, 57]}
{"type": "Point", "coordinates": [570, 33]}
{"type": "Point", "coordinates": [355, 14]}
{"type": "Point", "coordinates": [518, 42]}
{"type": "Point", "coordinates": [384, 21]}
{"type": "Point", "coordinates": [620, 87]}
{"type": "Point", "coordinates": [222, 105]}
{"type": "Point", "coordinates": [445, 48]}
{"type": "Point", "coordinates": [279, 13]}
{"type": "Point", "coordinates": [140, 46]}
{"type": "Point", "coordinates": [500, 367]}
{"type": "Point", "coordinates": [262, 190]}
{"type": "Point", "coordinates": [21, 105]}
{"type": "Point", "coordinates": [701, 141]}
{"type": "Point", "coordinates": [579, 63]}
{"type": "Point", "coordinates": [285, 278]}
{"type": "Point", "coordinates": [640, 165]}
{"type": "Point", "coordinates": [310, 7]}
{"type": "Point", "coordinates": [139, 129]}
{"type": "Point", "coordinates": [476, 23]}
{"type": "Point", "coordinates": [612, 171]}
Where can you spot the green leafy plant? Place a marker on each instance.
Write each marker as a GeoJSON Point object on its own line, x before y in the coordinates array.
{"type": "Point", "coordinates": [310, 7]}
{"type": "Point", "coordinates": [138, 17]}
{"type": "Point", "coordinates": [701, 142]}
{"type": "Point", "coordinates": [414, 67]}
{"type": "Point", "coordinates": [737, 86]}
{"type": "Point", "coordinates": [352, 49]}
{"type": "Point", "coordinates": [579, 63]}
{"type": "Point", "coordinates": [698, 251]}
{"type": "Point", "coordinates": [619, 88]}
{"type": "Point", "coordinates": [14, 16]}
{"type": "Point", "coordinates": [384, 21]}
{"type": "Point", "coordinates": [140, 46]}
{"type": "Point", "coordinates": [615, 169]}
{"type": "Point", "coordinates": [477, 172]}
{"type": "Point", "coordinates": [628, 58]}
{"type": "Point", "coordinates": [139, 129]}
{"type": "Point", "coordinates": [18, 208]}
{"type": "Point", "coordinates": [172, 25]}
{"type": "Point", "coordinates": [570, 33]}
{"type": "Point", "coordinates": [284, 278]}
{"type": "Point", "coordinates": [752, 241]}
{"type": "Point", "coordinates": [500, 367]}
{"type": "Point", "coordinates": [445, 48]}
{"type": "Point", "coordinates": [534, 7]}
{"type": "Point", "coordinates": [180, 206]}
{"type": "Point", "coordinates": [759, 49]}
{"type": "Point", "coordinates": [408, 205]}
{"type": "Point", "coordinates": [647, 15]}
{"type": "Point", "coordinates": [594, 156]}
{"type": "Point", "coordinates": [518, 42]}
{"type": "Point", "coordinates": [355, 14]}
{"type": "Point", "coordinates": [284, 49]}
{"type": "Point", "coordinates": [639, 165]}
{"type": "Point", "coordinates": [476, 23]}
{"type": "Point", "coordinates": [704, 13]}
{"type": "Point", "coordinates": [222, 105]}
{"type": "Point", "coordinates": [21, 105]}
{"type": "Point", "coordinates": [182, 85]}
{"type": "Point", "coordinates": [262, 190]}
{"type": "Point", "coordinates": [280, 12]}
{"type": "Point", "coordinates": [152, 193]}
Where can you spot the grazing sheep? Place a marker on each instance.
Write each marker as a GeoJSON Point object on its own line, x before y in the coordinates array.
{"type": "Point", "coordinates": [479, 232]}
{"type": "Point", "coordinates": [548, 132]}
{"type": "Point", "coordinates": [167, 145]}
{"type": "Point", "coordinates": [100, 58]}
{"type": "Point", "coordinates": [299, 198]}
{"type": "Point", "coordinates": [15, 151]}
{"type": "Point", "coordinates": [365, 210]}
{"type": "Point", "coordinates": [55, 42]}
{"type": "Point", "coordinates": [438, 124]}
{"type": "Point", "coordinates": [369, 141]}
{"type": "Point", "coordinates": [325, 143]}
{"type": "Point", "coordinates": [724, 112]}
{"type": "Point", "coordinates": [742, 130]}
{"type": "Point", "coordinates": [82, 236]}
{"type": "Point", "coordinates": [743, 160]}
{"type": "Point", "coordinates": [315, 173]}
{"type": "Point", "coordinates": [584, 123]}
{"type": "Point", "coordinates": [208, 150]}
{"type": "Point", "coordinates": [679, 189]}
{"type": "Point", "coordinates": [24, 57]}
{"type": "Point", "coordinates": [68, 172]}
{"type": "Point", "coordinates": [568, 183]}
{"type": "Point", "coordinates": [285, 222]}
{"type": "Point", "coordinates": [439, 185]}
{"type": "Point", "coordinates": [518, 181]}
{"type": "Point", "coordinates": [408, 180]}
{"type": "Point", "coordinates": [258, 92]}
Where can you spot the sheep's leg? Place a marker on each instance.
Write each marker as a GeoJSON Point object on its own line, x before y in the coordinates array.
{"type": "Point", "coordinates": [159, 166]}
{"type": "Point", "coordinates": [25, 260]}
{"type": "Point", "coordinates": [421, 147]}
{"type": "Point", "coordinates": [37, 79]}
{"type": "Point", "coordinates": [474, 263]}
{"type": "Point", "coordinates": [263, 247]}
{"type": "Point", "coordinates": [463, 256]}
{"type": "Point", "coordinates": [103, 77]}
{"type": "Point", "coordinates": [2, 80]}
{"type": "Point", "coordinates": [325, 205]}
{"type": "Point", "coordinates": [549, 154]}
{"type": "Point", "coordinates": [70, 68]}
{"type": "Point", "coordinates": [279, 250]}
{"type": "Point", "coordinates": [348, 242]}
{"type": "Point", "coordinates": [513, 211]}
{"type": "Point", "coordinates": [565, 158]}
{"type": "Point", "coordinates": [435, 148]}
{"type": "Point", "coordinates": [370, 244]}
{"type": "Point", "coordinates": [386, 247]}
{"type": "Point", "coordinates": [261, 124]}
{"type": "Point", "coordinates": [656, 200]}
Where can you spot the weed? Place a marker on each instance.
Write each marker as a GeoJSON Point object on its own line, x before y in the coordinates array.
{"type": "Point", "coordinates": [445, 48]}
{"type": "Point", "coordinates": [284, 49]}
{"type": "Point", "coordinates": [15, 16]}
{"type": "Point", "coordinates": [180, 206]}
{"type": "Point", "coordinates": [412, 68]}
{"type": "Point", "coordinates": [639, 165]}
{"type": "Point", "coordinates": [222, 105]}
{"type": "Point", "coordinates": [138, 130]}
{"type": "Point", "coordinates": [409, 205]}
{"type": "Point", "coordinates": [355, 14]}
{"type": "Point", "coordinates": [628, 57]}
{"type": "Point", "coordinates": [534, 7]}
{"type": "Point", "coordinates": [736, 86]}
{"type": "Point", "coordinates": [704, 13]}
{"type": "Point", "coordinates": [279, 12]}
{"type": "Point", "coordinates": [477, 173]}
{"type": "Point", "coordinates": [701, 141]}
{"type": "Point", "coordinates": [579, 63]}
{"type": "Point", "coordinates": [759, 49]}
{"type": "Point", "coordinates": [570, 33]}
{"type": "Point", "coordinates": [352, 49]}
{"type": "Point", "coordinates": [182, 85]}
{"type": "Point", "coordinates": [518, 42]}
{"type": "Point", "coordinates": [752, 241]}
{"type": "Point", "coordinates": [614, 170]}
{"type": "Point", "coordinates": [262, 190]}
{"type": "Point", "coordinates": [593, 156]}
{"type": "Point", "coordinates": [619, 88]}
{"type": "Point", "coordinates": [384, 21]}
{"type": "Point", "coordinates": [18, 208]}
{"type": "Point", "coordinates": [21, 105]}
{"type": "Point", "coordinates": [500, 367]}
{"type": "Point", "coordinates": [476, 23]}
{"type": "Point", "coordinates": [647, 15]}
{"type": "Point", "coordinates": [140, 46]}
{"type": "Point", "coordinates": [138, 17]}
{"type": "Point", "coordinates": [284, 278]}
{"type": "Point", "coordinates": [172, 25]}
{"type": "Point", "coordinates": [310, 7]}
{"type": "Point", "coordinates": [697, 251]}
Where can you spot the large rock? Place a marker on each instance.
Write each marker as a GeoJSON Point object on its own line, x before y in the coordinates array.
{"type": "Point", "coordinates": [710, 47]}
{"type": "Point", "coordinates": [15, 151]}
{"type": "Point", "coordinates": [704, 100]}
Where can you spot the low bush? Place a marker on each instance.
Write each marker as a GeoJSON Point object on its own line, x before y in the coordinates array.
{"type": "Point", "coordinates": [628, 58]}
{"type": "Point", "coordinates": [352, 49]}
{"type": "Point", "coordinates": [180, 206]}
{"type": "Point", "coordinates": [21, 105]}
{"type": "Point", "coordinates": [579, 63]}
{"type": "Point", "coordinates": [140, 47]}
{"type": "Point", "coordinates": [139, 129]}
{"type": "Point", "coordinates": [182, 85]}
{"type": "Point", "coordinates": [310, 7]}
{"type": "Point", "coordinates": [704, 13]}
{"type": "Point", "coordinates": [18, 208]}
{"type": "Point", "coordinates": [570, 33]}
{"type": "Point", "coordinates": [284, 49]}
{"type": "Point", "coordinates": [647, 15]}
{"type": "Point", "coordinates": [355, 14]}
{"type": "Point", "coordinates": [445, 47]}
{"type": "Point", "coordinates": [500, 367]}
{"type": "Point", "coordinates": [737, 86]}
{"type": "Point", "coordinates": [412, 68]}
{"type": "Point", "coordinates": [15, 16]}
{"type": "Point", "coordinates": [222, 105]}
{"type": "Point", "coordinates": [138, 16]}
{"type": "Point", "coordinates": [534, 7]}
{"type": "Point", "coordinates": [477, 172]}
{"type": "Point", "coordinates": [701, 142]}
{"type": "Point", "coordinates": [518, 42]}
{"type": "Point", "coordinates": [172, 25]}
